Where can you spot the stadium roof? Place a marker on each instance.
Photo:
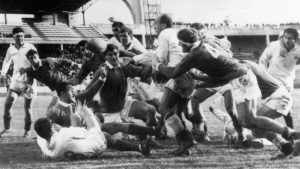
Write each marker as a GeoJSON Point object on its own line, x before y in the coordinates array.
{"type": "Point", "coordinates": [43, 6]}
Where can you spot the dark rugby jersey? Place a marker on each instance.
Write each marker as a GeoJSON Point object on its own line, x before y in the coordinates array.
{"type": "Point", "coordinates": [49, 72]}
{"type": "Point", "coordinates": [90, 65]}
{"type": "Point", "coordinates": [114, 90]}
{"type": "Point", "coordinates": [219, 68]}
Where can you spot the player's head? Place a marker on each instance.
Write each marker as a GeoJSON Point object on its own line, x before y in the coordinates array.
{"type": "Point", "coordinates": [290, 35]}
{"type": "Point", "coordinates": [97, 46]}
{"type": "Point", "coordinates": [162, 22]}
{"type": "Point", "coordinates": [187, 38]}
{"type": "Point", "coordinates": [43, 128]}
{"type": "Point", "coordinates": [66, 92]}
{"type": "Point", "coordinates": [33, 57]}
{"type": "Point", "coordinates": [18, 36]}
{"type": "Point", "coordinates": [112, 54]}
{"type": "Point", "coordinates": [116, 27]}
{"type": "Point", "coordinates": [200, 28]}
{"type": "Point", "coordinates": [125, 36]}
{"type": "Point", "coordinates": [82, 47]}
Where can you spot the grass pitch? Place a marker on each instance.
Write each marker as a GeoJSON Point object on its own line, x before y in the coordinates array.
{"type": "Point", "coordinates": [16, 152]}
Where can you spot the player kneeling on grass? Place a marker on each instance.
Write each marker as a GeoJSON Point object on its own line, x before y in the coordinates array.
{"type": "Point", "coordinates": [78, 142]}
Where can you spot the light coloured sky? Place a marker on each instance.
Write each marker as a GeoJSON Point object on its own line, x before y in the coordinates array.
{"type": "Point", "coordinates": [209, 11]}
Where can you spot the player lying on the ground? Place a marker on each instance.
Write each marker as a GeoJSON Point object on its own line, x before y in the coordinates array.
{"type": "Point", "coordinates": [60, 113]}
{"type": "Point", "coordinates": [78, 142]}
{"type": "Point", "coordinates": [221, 70]}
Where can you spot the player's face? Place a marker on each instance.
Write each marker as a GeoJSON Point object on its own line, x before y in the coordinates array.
{"type": "Point", "coordinates": [112, 57]}
{"type": "Point", "coordinates": [70, 94]}
{"type": "Point", "coordinates": [34, 60]}
{"type": "Point", "coordinates": [116, 31]}
{"type": "Point", "coordinates": [289, 40]}
{"type": "Point", "coordinates": [158, 27]}
{"type": "Point", "coordinates": [185, 48]}
{"type": "Point", "coordinates": [125, 38]}
{"type": "Point", "coordinates": [19, 38]}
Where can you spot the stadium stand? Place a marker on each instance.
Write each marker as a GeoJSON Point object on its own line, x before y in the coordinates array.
{"type": "Point", "coordinates": [88, 31]}
{"type": "Point", "coordinates": [58, 30]}
{"type": "Point", "coordinates": [5, 30]}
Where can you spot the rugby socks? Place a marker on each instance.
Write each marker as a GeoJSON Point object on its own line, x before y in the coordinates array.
{"type": "Point", "coordinates": [140, 130]}
{"type": "Point", "coordinates": [123, 145]}
{"type": "Point", "coordinates": [120, 145]}
{"type": "Point", "coordinates": [6, 120]}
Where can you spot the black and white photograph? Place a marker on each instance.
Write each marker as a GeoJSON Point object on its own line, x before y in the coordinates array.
{"type": "Point", "coordinates": [133, 84]}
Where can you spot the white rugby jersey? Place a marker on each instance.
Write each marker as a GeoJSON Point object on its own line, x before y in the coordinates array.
{"type": "Point", "coordinates": [169, 52]}
{"type": "Point", "coordinates": [281, 63]}
{"type": "Point", "coordinates": [73, 139]}
{"type": "Point", "coordinates": [18, 57]}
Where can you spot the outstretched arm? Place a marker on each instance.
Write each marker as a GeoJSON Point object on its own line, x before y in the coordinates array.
{"type": "Point", "coordinates": [173, 72]}
{"type": "Point", "coordinates": [94, 86]}
{"type": "Point", "coordinates": [265, 57]}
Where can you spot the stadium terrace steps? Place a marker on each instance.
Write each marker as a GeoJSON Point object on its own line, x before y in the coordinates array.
{"type": "Point", "coordinates": [88, 31]}
{"type": "Point", "coordinates": [58, 30]}
{"type": "Point", "coordinates": [7, 29]}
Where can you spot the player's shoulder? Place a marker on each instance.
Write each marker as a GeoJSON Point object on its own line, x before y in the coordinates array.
{"type": "Point", "coordinates": [29, 46]}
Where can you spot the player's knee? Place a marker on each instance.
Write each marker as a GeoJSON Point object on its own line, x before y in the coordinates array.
{"type": "Point", "coordinates": [195, 101]}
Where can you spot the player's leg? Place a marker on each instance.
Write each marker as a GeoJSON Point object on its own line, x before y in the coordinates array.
{"type": "Point", "coordinates": [123, 145]}
{"type": "Point", "coordinates": [199, 96]}
{"type": "Point", "coordinates": [184, 137]}
{"type": "Point", "coordinates": [9, 101]}
{"type": "Point", "coordinates": [28, 115]}
{"type": "Point", "coordinates": [127, 128]}
{"type": "Point", "coordinates": [143, 111]}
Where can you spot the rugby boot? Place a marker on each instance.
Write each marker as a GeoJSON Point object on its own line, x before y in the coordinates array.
{"type": "Point", "coordinates": [185, 140]}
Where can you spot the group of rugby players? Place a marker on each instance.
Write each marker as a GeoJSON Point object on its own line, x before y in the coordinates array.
{"type": "Point", "coordinates": [121, 97]}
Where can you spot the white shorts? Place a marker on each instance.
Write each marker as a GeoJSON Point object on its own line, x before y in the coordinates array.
{"type": "Point", "coordinates": [245, 88]}
{"type": "Point", "coordinates": [119, 116]}
{"type": "Point", "coordinates": [96, 138]}
{"type": "Point", "coordinates": [220, 89]}
{"type": "Point", "coordinates": [281, 101]}
{"type": "Point", "coordinates": [182, 85]}
{"type": "Point", "coordinates": [21, 87]}
{"type": "Point", "coordinates": [141, 91]}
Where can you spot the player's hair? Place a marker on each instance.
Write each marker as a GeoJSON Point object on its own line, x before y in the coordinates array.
{"type": "Point", "coordinates": [125, 29]}
{"type": "Point", "coordinates": [109, 48]}
{"type": "Point", "coordinates": [117, 24]}
{"type": "Point", "coordinates": [17, 30]}
{"type": "Point", "coordinates": [165, 19]}
{"type": "Point", "coordinates": [81, 43]}
{"type": "Point", "coordinates": [188, 35]}
{"type": "Point", "coordinates": [31, 52]}
{"type": "Point", "coordinates": [62, 87]}
{"type": "Point", "coordinates": [43, 128]}
{"type": "Point", "coordinates": [197, 26]}
{"type": "Point", "coordinates": [293, 31]}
